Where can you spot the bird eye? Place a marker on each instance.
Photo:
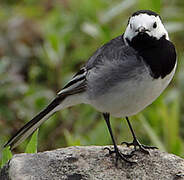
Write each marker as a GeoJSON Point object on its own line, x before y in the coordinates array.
{"type": "Point", "coordinates": [154, 25]}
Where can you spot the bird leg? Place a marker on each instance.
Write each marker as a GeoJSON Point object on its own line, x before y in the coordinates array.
{"type": "Point", "coordinates": [117, 152]}
{"type": "Point", "coordinates": [143, 148]}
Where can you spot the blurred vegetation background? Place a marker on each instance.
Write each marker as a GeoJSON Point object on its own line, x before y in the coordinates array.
{"type": "Point", "coordinates": [43, 43]}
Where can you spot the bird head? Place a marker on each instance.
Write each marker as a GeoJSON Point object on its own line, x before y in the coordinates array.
{"type": "Point", "coordinates": [145, 23]}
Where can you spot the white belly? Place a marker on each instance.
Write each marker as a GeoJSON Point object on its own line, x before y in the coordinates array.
{"type": "Point", "coordinates": [129, 98]}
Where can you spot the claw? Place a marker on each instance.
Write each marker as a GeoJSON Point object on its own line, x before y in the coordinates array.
{"type": "Point", "coordinates": [113, 151]}
{"type": "Point", "coordinates": [120, 155]}
{"type": "Point", "coordinates": [110, 151]}
{"type": "Point", "coordinates": [149, 147]}
{"type": "Point", "coordinates": [142, 148]}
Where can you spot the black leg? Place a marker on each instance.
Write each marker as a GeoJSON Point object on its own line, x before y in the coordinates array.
{"type": "Point", "coordinates": [119, 155]}
{"type": "Point", "coordinates": [136, 143]}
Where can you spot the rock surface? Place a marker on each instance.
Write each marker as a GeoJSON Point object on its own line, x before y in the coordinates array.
{"type": "Point", "coordinates": [93, 163]}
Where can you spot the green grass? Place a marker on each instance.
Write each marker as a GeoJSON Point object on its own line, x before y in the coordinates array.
{"type": "Point", "coordinates": [33, 143]}
{"type": "Point", "coordinates": [30, 148]}
{"type": "Point", "coordinates": [6, 155]}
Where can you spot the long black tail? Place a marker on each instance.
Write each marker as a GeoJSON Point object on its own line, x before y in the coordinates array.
{"type": "Point", "coordinates": [33, 124]}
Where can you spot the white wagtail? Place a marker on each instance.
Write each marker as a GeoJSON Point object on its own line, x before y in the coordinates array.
{"type": "Point", "coordinates": [120, 79]}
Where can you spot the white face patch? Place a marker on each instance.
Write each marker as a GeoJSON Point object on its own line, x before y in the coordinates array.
{"type": "Point", "coordinates": [151, 23]}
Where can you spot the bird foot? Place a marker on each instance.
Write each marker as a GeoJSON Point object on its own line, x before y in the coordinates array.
{"type": "Point", "coordinates": [141, 147]}
{"type": "Point", "coordinates": [120, 155]}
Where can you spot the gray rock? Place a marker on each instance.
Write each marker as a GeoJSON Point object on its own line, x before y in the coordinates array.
{"type": "Point", "coordinates": [92, 162]}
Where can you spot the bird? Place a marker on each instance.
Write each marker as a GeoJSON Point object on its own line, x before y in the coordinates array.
{"type": "Point", "coordinates": [120, 79]}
